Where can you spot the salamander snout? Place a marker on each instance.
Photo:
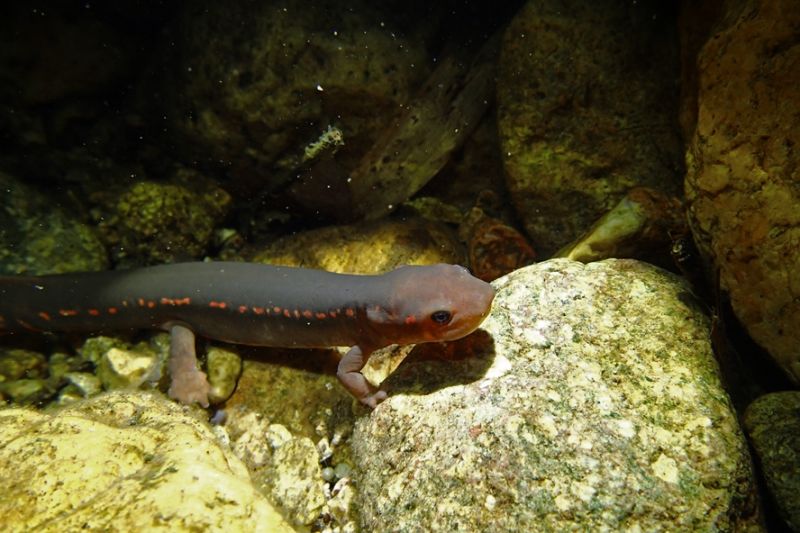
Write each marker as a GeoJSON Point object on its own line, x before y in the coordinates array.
{"type": "Point", "coordinates": [439, 302]}
{"type": "Point", "coordinates": [470, 301]}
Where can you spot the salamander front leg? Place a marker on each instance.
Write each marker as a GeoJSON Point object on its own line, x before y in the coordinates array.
{"type": "Point", "coordinates": [349, 374]}
{"type": "Point", "coordinates": [188, 383]}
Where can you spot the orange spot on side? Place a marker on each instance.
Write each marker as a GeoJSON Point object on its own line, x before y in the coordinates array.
{"type": "Point", "coordinates": [242, 308]}
{"type": "Point", "coordinates": [42, 315]}
{"type": "Point", "coordinates": [332, 314]}
{"type": "Point", "coordinates": [112, 310]}
{"type": "Point", "coordinates": [321, 316]}
{"type": "Point", "coordinates": [167, 301]}
{"type": "Point", "coordinates": [410, 319]}
{"type": "Point", "coordinates": [277, 310]}
{"type": "Point", "coordinates": [141, 302]}
{"type": "Point", "coordinates": [151, 304]}
{"type": "Point", "coordinates": [67, 312]}
{"type": "Point", "coordinates": [258, 310]}
{"type": "Point", "coordinates": [350, 312]}
{"type": "Point", "coordinates": [183, 301]}
{"type": "Point", "coordinates": [308, 314]}
{"type": "Point", "coordinates": [94, 312]}
{"type": "Point", "coordinates": [218, 305]}
{"type": "Point", "coordinates": [26, 325]}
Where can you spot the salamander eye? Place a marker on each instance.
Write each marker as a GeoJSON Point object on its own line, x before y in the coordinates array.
{"type": "Point", "coordinates": [441, 317]}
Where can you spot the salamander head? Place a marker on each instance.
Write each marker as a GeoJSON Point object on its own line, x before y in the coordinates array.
{"type": "Point", "coordinates": [431, 303]}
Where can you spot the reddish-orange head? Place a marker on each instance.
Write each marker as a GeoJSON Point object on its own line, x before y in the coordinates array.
{"type": "Point", "coordinates": [431, 303]}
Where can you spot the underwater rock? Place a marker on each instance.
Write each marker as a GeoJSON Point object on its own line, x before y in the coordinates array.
{"type": "Point", "coordinates": [284, 466]}
{"type": "Point", "coordinates": [122, 365]}
{"type": "Point", "coordinates": [94, 348]}
{"type": "Point", "coordinates": [25, 391]}
{"type": "Point", "coordinates": [640, 226]}
{"type": "Point", "coordinates": [343, 502]}
{"type": "Point", "coordinates": [28, 377]}
{"type": "Point", "coordinates": [294, 474]}
{"type": "Point", "coordinates": [292, 388]}
{"type": "Point", "coordinates": [127, 369]}
{"type": "Point", "coordinates": [494, 247]}
{"type": "Point", "coordinates": [17, 363]}
{"type": "Point", "coordinates": [435, 123]}
{"type": "Point", "coordinates": [81, 385]}
{"type": "Point", "coordinates": [59, 364]}
{"type": "Point", "coordinates": [594, 403]}
{"type": "Point", "coordinates": [254, 84]}
{"type": "Point", "coordinates": [773, 424]}
{"type": "Point", "coordinates": [742, 160]}
{"type": "Point", "coordinates": [39, 236]}
{"type": "Point", "coordinates": [587, 105]}
{"type": "Point", "coordinates": [368, 248]}
{"type": "Point", "coordinates": [124, 461]}
{"type": "Point", "coordinates": [146, 222]}
{"type": "Point", "coordinates": [223, 368]}
{"type": "Point", "coordinates": [473, 177]}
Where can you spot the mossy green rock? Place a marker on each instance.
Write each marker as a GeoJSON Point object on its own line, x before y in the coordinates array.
{"type": "Point", "coordinates": [39, 236]}
{"type": "Point", "coordinates": [773, 423]}
{"type": "Point", "coordinates": [587, 106]}
{"type": "Point", "coordinates": [16, 363]}
{"type": "Point", "coordinates": [161, 222]}
{"type": "Point", "coordinates": [267, 79]}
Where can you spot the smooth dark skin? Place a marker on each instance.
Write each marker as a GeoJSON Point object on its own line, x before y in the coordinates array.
{"type": "Point", "coordinates": [255, 304]}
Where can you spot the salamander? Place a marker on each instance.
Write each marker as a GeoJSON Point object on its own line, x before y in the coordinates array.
{"type": "Point", "coordinates": [255, 304]}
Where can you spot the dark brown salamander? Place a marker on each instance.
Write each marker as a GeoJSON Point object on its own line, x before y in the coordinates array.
{"type": "Point", "coordinates": [255, 304]}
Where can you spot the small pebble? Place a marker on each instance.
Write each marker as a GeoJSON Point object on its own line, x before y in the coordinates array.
{"type": "Point", "coordinates": [328, 474]}
{"type": "Point", "coordinates": [343, 470]}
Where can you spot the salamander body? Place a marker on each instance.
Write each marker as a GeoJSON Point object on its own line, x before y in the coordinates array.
{"type": "Point", "coordinates": [255, 304]}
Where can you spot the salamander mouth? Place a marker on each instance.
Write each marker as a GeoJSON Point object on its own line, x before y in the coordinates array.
{"type": "Point", "coordinates": [432, 293]}
{"type": "Point", "coordinates": [479, 305]}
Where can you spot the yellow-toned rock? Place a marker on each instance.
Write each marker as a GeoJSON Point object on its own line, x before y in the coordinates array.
{"type": "Point", "coordinates": [370, 248]}
{"type": "Point", "coordinates": [123, 461]}
{"type": "Point", "coordinates": [742, 160]}
{"type": "Point", "coordinates": [223, 368]}
{"type": "Point", "coordinates": [120, 369]}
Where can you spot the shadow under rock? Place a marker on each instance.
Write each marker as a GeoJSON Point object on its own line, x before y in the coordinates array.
{"type": "Point", "coordinates": [434, 366]}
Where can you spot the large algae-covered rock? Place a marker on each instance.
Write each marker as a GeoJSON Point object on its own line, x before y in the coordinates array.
{"type": "Point", "coordinates": [123, 461]}
{"type": "Point", "coordinates": [773, 424]}
{"type": "Point", "coordinates": [596, 405]}
{"type": "Point", "coordinates": [148, 221]}
{"type": "Point", "coordinates": [369, 248]}
{"type": "Point", "coordinates": [39, 236]}
{"type": "Point", "coordinates": [586, 110]}
{"type": "Point", "coordinates": [259, 81]}
{"type": "Point", "coordinates": [742, 178]}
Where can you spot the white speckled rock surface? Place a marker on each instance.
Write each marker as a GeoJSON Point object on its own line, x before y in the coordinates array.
{"type": "Point", "coordinates": [123, 461]}
{"type": "Point", "coordinates": [595, 405]}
